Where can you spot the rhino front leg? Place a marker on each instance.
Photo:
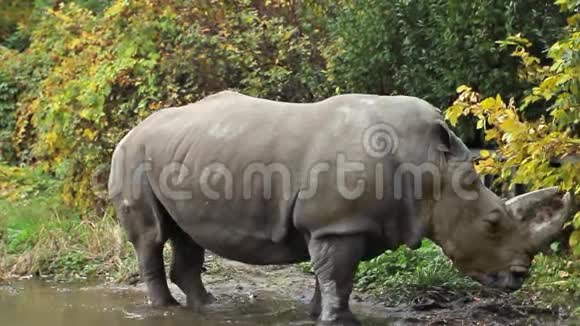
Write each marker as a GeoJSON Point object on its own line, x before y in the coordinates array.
{"type": "Point", "coordinates": [334, 260]}
{"type": "Point", "coordinates": [186, 269]}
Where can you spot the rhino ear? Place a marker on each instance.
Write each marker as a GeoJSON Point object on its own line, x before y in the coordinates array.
{"type": "Point", "coordinates": [545, 211]}
{"type": "Point", "coordinates": [443, 134]}
{"type": "Point", "coordinates": [449, 143]}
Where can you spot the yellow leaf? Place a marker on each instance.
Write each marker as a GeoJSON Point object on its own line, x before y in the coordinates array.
{"type": "Point", "coordinates": [549, 83]}
{"type": "Point", "coordinates": [89, 134]}
{"type": "Point", "coordinates": [51, 139]}
{"type": "Point", "coordinates": [491, 134]}
{"type": "Point", "coordinates": [85, 114]}
{"type": "Point", "coordinates": [510, 126]}
{"type": "Point", "coordinates": [231, 48]}
{"type": "Point", "coordinates": [453, 113]}
{"type": "Point", "coordinates": [575, 238]}
{"type": "Point", "coordinates": [484, 153]}
{"type": "Point", "coordinates": [463, 88]}
{"type": "Point", "coordinates": [488, 103]}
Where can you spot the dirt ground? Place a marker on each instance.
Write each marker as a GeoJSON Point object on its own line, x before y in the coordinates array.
{"type": "Point", "coordinates": [233, 281]}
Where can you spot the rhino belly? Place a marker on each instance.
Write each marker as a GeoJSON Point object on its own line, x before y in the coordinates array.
{"type": "Point", "coordinates": [248, 247]}
{"type": "Point", "coordinates": [239, 233]}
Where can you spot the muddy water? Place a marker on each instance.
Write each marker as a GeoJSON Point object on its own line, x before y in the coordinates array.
{"type": "Point", "coordinates": [256, 295]}
{"type": "Point", "coordinates": [38, 303]}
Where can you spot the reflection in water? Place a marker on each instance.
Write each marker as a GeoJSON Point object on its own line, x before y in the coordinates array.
{"type": "Point", "coordinates": [33, 303]}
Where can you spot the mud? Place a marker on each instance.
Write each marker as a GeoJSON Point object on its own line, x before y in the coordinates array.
{"type": "Point", "coordinates": [247, 295]}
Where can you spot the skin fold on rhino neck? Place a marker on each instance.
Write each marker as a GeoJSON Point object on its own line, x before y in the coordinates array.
{"type": "Point", "coordinates": [437, 227]}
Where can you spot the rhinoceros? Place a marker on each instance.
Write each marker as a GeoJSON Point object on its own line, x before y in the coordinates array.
{"type": "Point", "coordinates": [334, 182]}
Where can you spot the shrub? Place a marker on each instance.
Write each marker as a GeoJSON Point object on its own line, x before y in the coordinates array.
{"type": "Point", "coordinates": [8, 95]}
{"type": "Point", "coordinates": [427, 48]}
{"type": "Point", "coordinates": [88, 77]}
{"type": "Point", "coordinates": [527, 148]}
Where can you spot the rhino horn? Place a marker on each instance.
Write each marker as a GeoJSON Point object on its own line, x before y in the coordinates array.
{"type": "Point", "coordinates": [545, 211]}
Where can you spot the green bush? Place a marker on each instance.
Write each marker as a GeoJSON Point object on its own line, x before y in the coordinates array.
{"type": "Point", "coordinates": [428, 48]}
{"type": "Point", "coordinates": [8, 97]}
{"type": "Point", "coordinates": [88, 77]}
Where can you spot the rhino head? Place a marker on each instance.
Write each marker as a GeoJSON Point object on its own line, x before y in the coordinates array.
{"type": "Point", "coordinates": [489, 239]}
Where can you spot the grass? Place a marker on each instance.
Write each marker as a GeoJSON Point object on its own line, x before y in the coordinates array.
{"type": "Point", "coordinates": [554, 282]}
{"type": "Point", "coordinates": [413, 276]}
{"type": "Point", "coordinates": [39, 235]}
{"type": "Point", "coordinates": [425, 275]}
{"type": "Point", "coordinates": [47, 243]}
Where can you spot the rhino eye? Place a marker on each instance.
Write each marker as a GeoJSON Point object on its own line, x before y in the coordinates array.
{"type": "Point", "coordinates": [470, 178]}
{"type": "Point", "coordinates": [492, 223]}
{"type": "Point", "coordinates": [492, 227]}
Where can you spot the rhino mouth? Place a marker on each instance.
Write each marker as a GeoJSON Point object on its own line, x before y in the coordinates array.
{"type": "Point", "coordinates": [508, 281]}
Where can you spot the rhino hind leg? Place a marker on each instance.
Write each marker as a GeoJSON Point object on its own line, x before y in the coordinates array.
{"type": "Point", "coordinates": [140, 219]}
{"type": "Point", "coordinates": [186, 269]}
{"type": "Point", "coordinates": [151, 265]}
{"type": "Point", "coordinates": [334, 260]}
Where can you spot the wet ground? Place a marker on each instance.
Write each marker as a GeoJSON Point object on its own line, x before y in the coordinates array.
{"type": "Point", "coordinates": [247, 295]}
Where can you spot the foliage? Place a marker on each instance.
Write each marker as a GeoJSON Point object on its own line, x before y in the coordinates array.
{"type": "Point", "coordinates": [427, 48]}
{"type": "Point", "coordinates": [13, 12]}
{"type": "Point", "coordinates": [8, 95]}
{"type": "Point", "coordinates": [94, 69]}
{"type": "Point", "coordinates": [526, 148]}
{"type": "Point", "coordinates": [89, 77]}
{"type": "Point", "coordinates": [25, 183]}
{"type": "Point", "coordinates": [18, 18]}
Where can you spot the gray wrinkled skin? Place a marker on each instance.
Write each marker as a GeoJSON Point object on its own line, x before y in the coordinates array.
{"type": "Point", "coordinates": [334, 232]}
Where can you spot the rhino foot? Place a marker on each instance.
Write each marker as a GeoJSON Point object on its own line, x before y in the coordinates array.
{"type": "Point", "coordinates": [339, 323]}
{"type": "Point", "coordinates": [201, 300]}
{"type": "Point", "coordinates": [186, 269]}
{"type": "Point", "coordinates": [165, 302]}
{"type": "Point", "coordinates": [345, 322]}
{"type": "Point", "coordinates": [340, 318]}
{"type": "Point", "coordinates": [334, 260]}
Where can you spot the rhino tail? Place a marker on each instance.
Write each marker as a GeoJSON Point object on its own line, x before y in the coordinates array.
{"type": "Point", "coordinates": [160, 215]}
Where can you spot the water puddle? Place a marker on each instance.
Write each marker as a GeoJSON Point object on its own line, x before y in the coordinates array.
{"type": "Point", "coordinates": [33, 302]}
{"type": "Point", "coordinates": [244, 302]}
